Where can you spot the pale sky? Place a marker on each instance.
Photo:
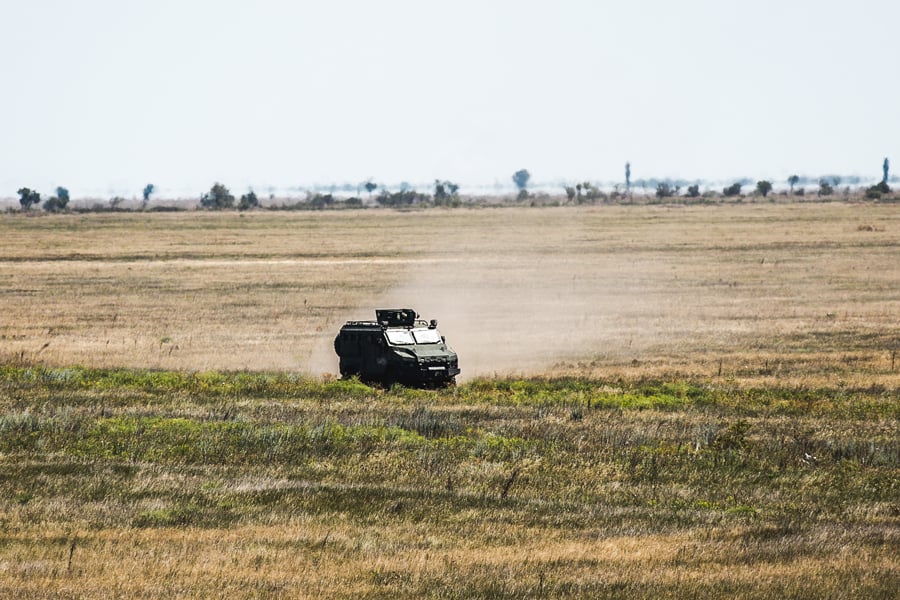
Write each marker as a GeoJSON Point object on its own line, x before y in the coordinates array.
{"type": "Point", "coordinates": [104, 96]}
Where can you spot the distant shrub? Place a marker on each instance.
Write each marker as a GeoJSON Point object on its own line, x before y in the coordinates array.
{"type": "Point", "coordinates": [590, 193]}
{"type": "Point", "coordinates": [55, 204]}
{"type": "Point", "coordinates": [320, 201]}
{"type": "Point", "coordinates": [217, 198]}
{"type": "Point", "coordinates": [520, 178]}
{"type": "Point", "coordinates": [877, 191]}
{"type": "Point", "coordinates": [248, 200]}
{"type": "Point", "coordinates": [446, 193]}
{"type": "Point", "coordinates": [402, 198]}
{"type": "Point", "coordinates": [825, 188]}
{"type": "Point", "coordinates": [664, 190]}
{"type": "Point", "coordinates": [732, 190]}
{"type": "Point", "coordinates": [693, 191]}
{"type": "Point", "coordinates": [763, 187]}
{"type": "Point", "coordinates": [28, 198]}
{"type": "Point", "coordinates": [63, 195]}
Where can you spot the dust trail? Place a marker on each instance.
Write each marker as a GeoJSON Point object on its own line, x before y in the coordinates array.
{"type": "Point", "coordinates": [527, 299]}
{"type": "Point", "coordinates": [523, 307]}
{"type": "Point", "coordinates": [322, 359]}
{"type": "Point", "coordinates": [503, 317]}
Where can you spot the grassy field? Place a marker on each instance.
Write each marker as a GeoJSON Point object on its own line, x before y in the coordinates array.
{"type": "Point", "coordinates": [658, 402]}
{"type": "Point", "coordinates": [800, 292]}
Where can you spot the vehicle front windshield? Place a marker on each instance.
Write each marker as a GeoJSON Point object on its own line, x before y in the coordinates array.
{"type": "Point", "coordinates": [427, 336]}
{"type": "Point", "coordinates": [403, 337]}
{"type": "Point", "coordinates": [400, 337]}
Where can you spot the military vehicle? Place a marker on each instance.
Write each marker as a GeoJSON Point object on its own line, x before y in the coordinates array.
{"type": "Point", "coordinates": [397, 347]}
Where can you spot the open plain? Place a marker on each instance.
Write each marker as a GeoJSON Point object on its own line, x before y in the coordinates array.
{"type": "Point", "coordinates": [794, 291]}
{"type": "Point", "coordinates": [660, 401]}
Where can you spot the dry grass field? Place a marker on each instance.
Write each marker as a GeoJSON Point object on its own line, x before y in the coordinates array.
{"type": "Point", "coordinates": [783, 291]}
{"type": "Point", "coordinates": [657, 402]}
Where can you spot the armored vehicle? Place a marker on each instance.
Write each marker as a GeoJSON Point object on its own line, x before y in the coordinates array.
{"type": "Point", "coordinates": [397, 347]}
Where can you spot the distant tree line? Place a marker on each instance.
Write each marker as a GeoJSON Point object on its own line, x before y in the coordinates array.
{"type": "Point", "coordinates": [57, 203]}
{"type": "Point", "coordinates": [446, 193]}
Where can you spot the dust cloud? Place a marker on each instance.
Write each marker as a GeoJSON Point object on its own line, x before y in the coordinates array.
{"type": "Point", "coordinates": [525, 303]}
{"type": "Point", "coordinates": [506, 316]}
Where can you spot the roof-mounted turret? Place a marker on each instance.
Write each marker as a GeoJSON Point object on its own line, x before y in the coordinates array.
{"type": "Point", "coordinates": [396, 317]}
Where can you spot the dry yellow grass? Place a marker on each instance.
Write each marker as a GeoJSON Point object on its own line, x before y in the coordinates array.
{"type": "Point", "coordinates": [308, 560]}
{"type": "Point", "coordinates": [801, 292]}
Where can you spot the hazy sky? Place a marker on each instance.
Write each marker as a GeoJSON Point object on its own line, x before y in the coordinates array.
{"type": "Point", "coordinates": [103, 96]}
